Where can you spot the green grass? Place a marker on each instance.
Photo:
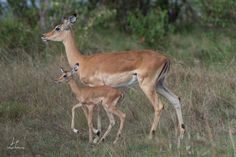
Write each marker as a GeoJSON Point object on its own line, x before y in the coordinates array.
{"type": "Point", "coordinates": [203, 46]}
{"type": "Point", "coordinates": [37, 112]}
{"type": "Point", "coordinates": [12, 110]}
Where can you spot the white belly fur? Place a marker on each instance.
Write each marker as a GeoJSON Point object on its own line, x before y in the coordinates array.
{"type": "Point", "coordinates": [119, 80]}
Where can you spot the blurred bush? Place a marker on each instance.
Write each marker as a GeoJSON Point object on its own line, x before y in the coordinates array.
{"type": "Point", "coordinates": [218, 12]}
{"type": "Point", "coordinates": [151, 28]}
{"type": "Point", "coordinates": [22, 22]}
{"type": "Point", "coordinates": [89, 20]}
{"type": "Point", "coordinates": [15, 35]}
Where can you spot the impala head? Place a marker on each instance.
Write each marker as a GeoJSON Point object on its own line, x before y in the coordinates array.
{"type": "Point", "coordinates": [60, 31]}
{"type": "Point", "coordinates": [67, 75]}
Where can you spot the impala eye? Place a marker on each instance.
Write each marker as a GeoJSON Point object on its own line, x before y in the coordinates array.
{"type": "Point", "coordinates": [57, 29]}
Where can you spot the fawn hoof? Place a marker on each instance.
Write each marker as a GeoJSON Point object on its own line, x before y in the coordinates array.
{"type": "Point", "coordinates": [76, 131]}
{"type": "Point", "coordinates": [151, 134]}
{"type": "Point", "coordinates": [95, 141]}
{"type": "Point", "coordinates": [114, 142]}
{"type": "Point", "coordinates": [101, 140]}
{"type": "Point", "coordinates": [150, 137]}
{"type": "Point", "coordinates": [117, 138]}
{"type": "Point", "coordinates": [182, 131]}
{"type": "Point", "coordinates": [183, 128]}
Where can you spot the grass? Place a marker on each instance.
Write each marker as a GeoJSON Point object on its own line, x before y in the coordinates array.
{"type": "Point", "coordinates": [207, 46]}
{"type": "Point", "coordinates": [37, 112]}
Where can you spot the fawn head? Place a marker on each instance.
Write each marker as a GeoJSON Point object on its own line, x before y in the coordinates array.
{"type": "Point", "coordinates": [67, 75]}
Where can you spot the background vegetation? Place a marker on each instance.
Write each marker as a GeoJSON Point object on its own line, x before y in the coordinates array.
{"type": "Point", "coordinates": [198, 35]}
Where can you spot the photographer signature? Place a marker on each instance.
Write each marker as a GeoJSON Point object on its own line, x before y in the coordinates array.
{"type": "Point", "coordinates": [14, 145]}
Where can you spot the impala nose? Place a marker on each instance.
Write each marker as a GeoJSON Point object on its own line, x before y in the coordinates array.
{"type": "Point", "coordinates": [44, 37]}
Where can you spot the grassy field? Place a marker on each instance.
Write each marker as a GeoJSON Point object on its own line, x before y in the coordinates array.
{"type": "Point", "coordinates": [37, 112]}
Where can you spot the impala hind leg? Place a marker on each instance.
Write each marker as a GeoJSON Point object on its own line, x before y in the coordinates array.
{"type": "Point", "coordinates": [121, 116]}
{"type": "Point", "coordinates": [163, 90]}
{"type": "Point", "coordinates": [99, 126]}
{"type": "Point", "coordinates": [98, 130]}
{"type": "Point", "coordinates": [150, 92]}
{"type": "Point", "coordinates": [114, 110]}
{"type": "Point", "coordinates": [112, 123]}
{"type": "Point", "coordinates": [90, 123]}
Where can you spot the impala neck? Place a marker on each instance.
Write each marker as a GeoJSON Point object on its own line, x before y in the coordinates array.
{"type": "Point", "coordinates": [72, 52]}
{"type": "Point", "coordinates": [74, 87]}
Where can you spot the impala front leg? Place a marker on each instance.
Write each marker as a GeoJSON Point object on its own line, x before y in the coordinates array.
{"type": "Point", "coordinates": [121, 116]}
{"type": "Point", "coordinates": [98, 130]}
{"type": "Point", "coordinates": [99, 126]}
{"type": "Point", "coordinates": [112, 123]}
{"type": "Point", "coordinates": [73, 117]}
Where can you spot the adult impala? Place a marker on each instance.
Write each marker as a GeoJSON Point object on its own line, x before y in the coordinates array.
{"type": "Point", "coordinates": [118, 69]}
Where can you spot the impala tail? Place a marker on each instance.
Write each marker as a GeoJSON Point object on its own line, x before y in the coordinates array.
{"type": "Point", "coordinates": [164, 71]}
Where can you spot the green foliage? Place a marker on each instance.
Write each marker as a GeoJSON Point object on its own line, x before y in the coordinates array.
{"type": "Point", "coordinates": [208, 48]}
{"type": "Point", "coordinates": [97, 17]}
{"type": "Point", "coordinates": [153, 27]}
{"type": "Point", "coordinates": [13, 33]}
{"type": "Point", "coordinates": [23, 11]}
{"type": "Point", "coordinates": [218, 12]}
{"type": "Point", "coordinates": [18, 36]}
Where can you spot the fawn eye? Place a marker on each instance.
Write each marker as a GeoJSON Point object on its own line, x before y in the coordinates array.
{"type": "Point", "coordinates": [57, 28]}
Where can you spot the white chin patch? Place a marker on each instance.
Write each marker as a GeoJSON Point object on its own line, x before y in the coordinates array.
{"type": "Point", "coordinates": [44, 39]}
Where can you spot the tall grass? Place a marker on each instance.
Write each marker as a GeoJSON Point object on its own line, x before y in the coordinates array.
{"type": "Point", "coordinates": [37, 112]}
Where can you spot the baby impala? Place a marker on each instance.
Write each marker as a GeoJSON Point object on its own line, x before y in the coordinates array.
{"type": "Point", "coordinates": [106, 96]}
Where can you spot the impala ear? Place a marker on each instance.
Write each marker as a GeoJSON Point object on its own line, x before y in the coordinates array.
{"type": "Point", "coordinates": [68, 22]}
{"type": "Point", "coordinates": [62, 70]}
{"type": "Point", "coordinates": [72, 18]}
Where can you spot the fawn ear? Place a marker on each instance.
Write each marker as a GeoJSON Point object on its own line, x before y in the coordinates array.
{"type": "Point", "coordinates": [63, 18]}
{"type": "Point", "coordinates": [76, 66]}
{"type": "Point", "coordinates": [62, 70]}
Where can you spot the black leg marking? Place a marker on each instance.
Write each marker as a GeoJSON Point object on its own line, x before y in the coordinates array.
{"type": "Point", "coordinates": [98, 133]}
{"type": "Point", "coordinates": [153, 132]}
